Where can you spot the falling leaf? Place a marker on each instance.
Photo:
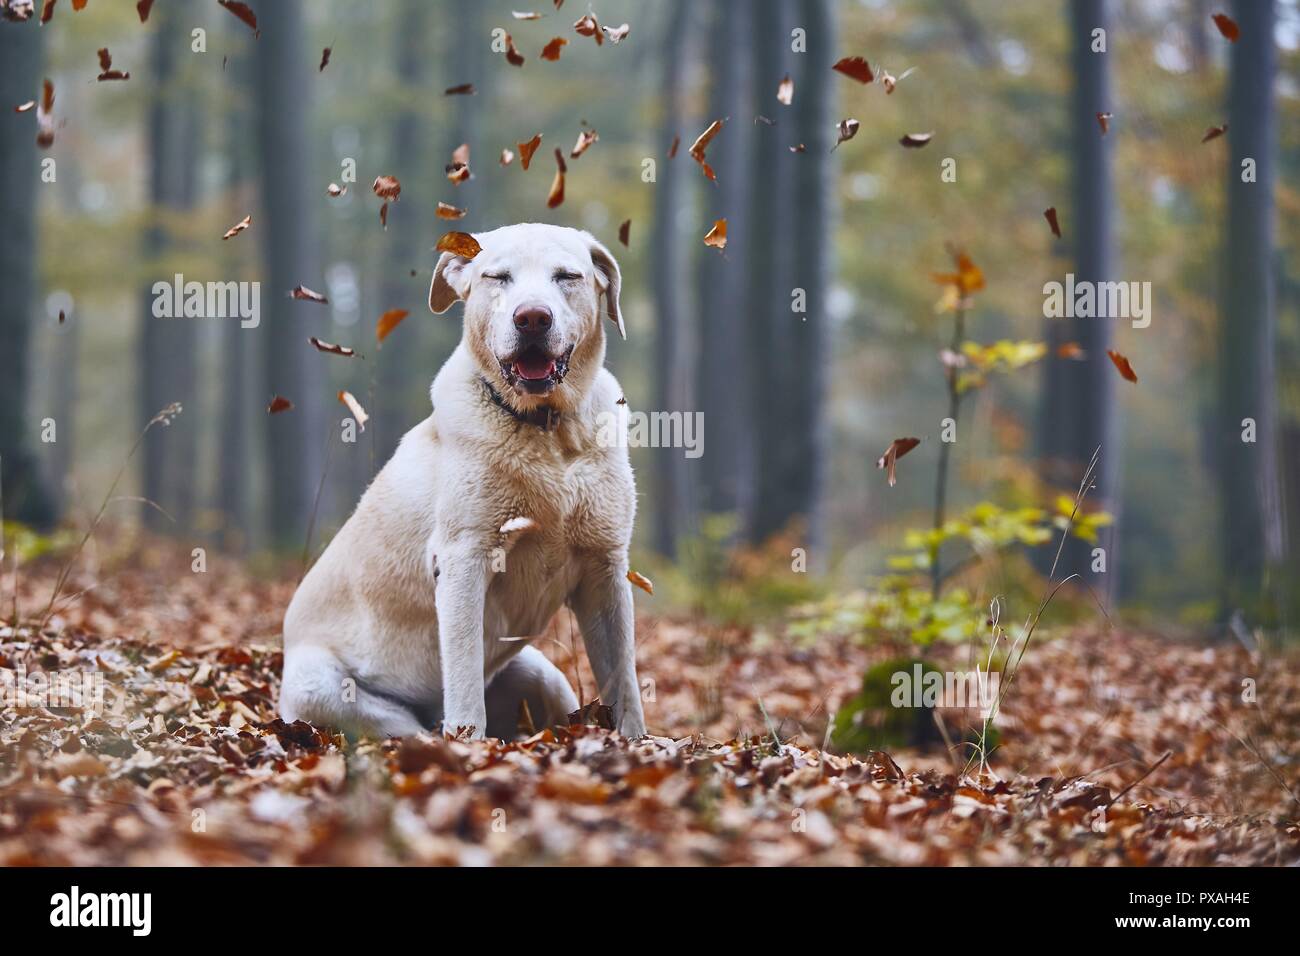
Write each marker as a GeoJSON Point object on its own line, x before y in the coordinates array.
{"type": "Point", "coordinates": [47, 11]}
{"type": "Point", "coordinates": [1103, 120]}
{"type": "Point", "coordinates": [387, 188]}
{"type": "Point", "coordinates": [855, 68]}
{"type": "Point", "coordinates": [717, 236]}
{"type": "Point", "coordinates": [616, 34]}
{"type": "Point", "coordinates": [1227, 26]}
{"type": "Point", "coordinates": [915, 140]}
{"type": "Point", "coordinates": [325, 58]}
{"type": "Point", "coordinates": [335, 190]}
{"type": "Point", "coordinates": [106, 71]}
{"type": "Point", "coordinates": [389, 321]}
{"type": "Point", "coordinates": [383, 215]}
{"type": "Point", "coordinates": [785, 91]}
{"type": "Point", "coordinates": [557, 184]}
{"type": "Point", "coordinates": [701, 144]}
{"type": "Point", "coordinates": [244, 12]}
{"type": "Point", "coordinates": [847, 129]}
{"type": "Point", "coordinates": [527, 149]}
{"type": "Point", "coordinates": [585, 138]}
{"type": "Point", "coordinates": [507, 157]}
{"type": "Point", "coordinates": [672, 150]}
{"type": "Point", "coordinates": [622, 400]}
{"type": "Point", "coordinates": [1050, 215]}
{"type": "Point", "coordinates": [624, 231]}
{"type": "Point", "coordinates": [278, 404]}
{"type": "Point", "coordinates": [525, 16]}
{"type": "Point", "coordinates": [45, 117]}
{"type": "Point", "coordinates": [113, 75]}
{"type": "Point", "coordinates": [302, 292]}
{"type": "Point", "coordinates": [1214, 132]}
{"type": "Point", "coordinates": [24, 107]}
{"type": "Point", "coordinates": [1071, 350]}
{"type": "Point", "coordinates": [513, 56]}
{"type": "Point", "coordinates": [446, 211]}
{"type": "Point", "coordinates": [464, 89]}
{"type": "Point", "coordinates": [238, 227]}
{"type": "Point", "coordinates": [331, 348]}
{"type": "Point", "coordinates": [896, 450]}
{"type": "Point", "coordinates": [355, 408]}
{"type": "Point", "coordinates": [890, 82]}
{"type": "Point", "coordinates": [457, 173]}
{"type": "Point", "coordinates": [459, 244]}
{"type": "Point", "coordinates": [143, 8]}
{"type": "Point", "coordinates": [1122, 363]}
{"type": "Point", "coordinates": [552, 50]}
{"type": "Point", "coordinates": [641, 581]}
{"type": "Point", "coordinates": [588, 27]}
{"type": "Point", "coordinates": [460, 154]}
{"type": "Point", "coordinates": [801, 148]}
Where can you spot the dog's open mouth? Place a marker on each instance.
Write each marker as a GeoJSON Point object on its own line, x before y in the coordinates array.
{"type": "Point", "coordinates": [534, 369]}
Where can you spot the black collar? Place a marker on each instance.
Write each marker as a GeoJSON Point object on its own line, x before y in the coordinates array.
{"type": "Point", "coordinates": [541, 416]}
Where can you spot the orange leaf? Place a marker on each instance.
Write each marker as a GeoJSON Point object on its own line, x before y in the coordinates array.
{"type": "Point", "coordinates": [552, 50]}
{"type": "Point", "coordinates": [446, 211]}
{"type": "Point", "coordinates": [896, 450]}
{"type": "Point", "coordinates": [717, 236]}
{"type": "Point", "coordinates": [459, 244]}
{"type": "Point", "coordinates": [527, 149]}
{"type": "Point", "coordinates": [641, 581]}
{"type": "Point", "coordinates": [557, 184]}
{"type": "Point", "coordinates": [1122, 363]}
{"type": "Point", "coordinates": [278, 404]}
{"type": "Point", "coordinates": [1227, 26]}
{"type": "Point", "coordinates": [389, 321]}
{"type": "Point", "coordinates": [238, 227]}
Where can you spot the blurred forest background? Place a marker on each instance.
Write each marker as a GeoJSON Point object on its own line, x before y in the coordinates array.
{"type": "Point", "coordinates": [798, 405]}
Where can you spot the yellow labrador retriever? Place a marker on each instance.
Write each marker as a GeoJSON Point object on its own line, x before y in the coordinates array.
{"type": "Point", "coordinates": [495, 511]}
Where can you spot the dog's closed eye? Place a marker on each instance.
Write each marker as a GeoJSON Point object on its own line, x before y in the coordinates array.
{"type": "Point", "coordinates": [497, 276]}
{"type": "Point", "coordinates": [563, 275]}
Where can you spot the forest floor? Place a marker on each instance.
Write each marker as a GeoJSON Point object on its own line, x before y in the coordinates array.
{"type": "Point", "coordinates": [188, 764]}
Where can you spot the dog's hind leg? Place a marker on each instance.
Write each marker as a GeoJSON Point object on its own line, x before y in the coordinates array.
{"type": "Point", "coordinates": [528, 678]}
{"type": "Point", "coordinates": [318, 689]}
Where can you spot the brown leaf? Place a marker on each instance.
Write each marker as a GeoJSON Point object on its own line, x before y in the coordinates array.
{"type": "Point", "coordinates": [387, 187]}
{"type": "Point", "coordinates": [450, 212]}
{"type": "Point", "coordinates": [507, 157]}
{"type": "Point", "coordinates": [1122, 363]}
{"type": "Point", "coordinates": [556, 196]}
{"type": "Point", "coordinates": [847, 129]}
{"type": "Point", "coordinates": [45, 117]}
{"type": "Point", "coordinates": [355, 408]}
{"type": "Point", "coordinates": [143, 8]}
{"type": "Point", "coordinates": [641, 581]}
{"type": "Point", "coordinates": [701, 144]}
{"type": "Point", "coordinates": [915, 140]}
{"type": "Point", "coordinates": [113, 75]}
{"type": "Point", "coordinates": [717, 236]}
{"type": "Point", "coordinates": [527, 149]}
{"type": "Point", "coordinates": [334, 190]}
{"type": "Point", "coordinates": [588, 27]}
{"type": "Point", "coordinates": [616, 34]}
{"type": "Point", "coordinates": [624, 231]}
{"type": "Point", "coordinates": [464, 89]}
{"type": "Point", "coordinates": [47, 11]}
{"type": "Point", "coordinates": [238, 227]}
{"type": "Point", "coordinates": [800, 148]}
{"type": "Point", "coordinates": [1214, 132]}
{"type": "Point", "coordinates": [513, 56]}
{"type": "Point", "coordinates": [1050, 215]}
{"type": "Point", "coordinates": [389, 321]}
{"type": "Point", "coordinates": [785, 91]}
{"type": "Point", "coordinates": [672, 150]}
{"type": "Point", "coordinates": [325, 58]}
{"type": "Point", "coordinates": [244, 12]}
{"type": "Point", "coordinates": [585, 138]}
{"type": "Point", "coordinates": [855, 68]}
{"type": "Point", "coordinates": [278, 404]}
{"type": "Point", "coordinates": [552, 50]}
{"type": "Point", "coordinates": [1103, 120]}
{"type": "Point", "coordinates": [383, 215]}
{"type": "Point", "coordinates": [331, 348]}
{"type": "Point", "coordinates": [457, 172]}
{"type": "Point", "coordinates": [302, 292]}
{"type": "Point", "coordinates": [459, 244]}
{"type": "Point", "coordinates": [1227, 26]}
{"type": "Point", "coordinates": [105, 59]}
{"type": "Point", "coordinates": [896, 450]}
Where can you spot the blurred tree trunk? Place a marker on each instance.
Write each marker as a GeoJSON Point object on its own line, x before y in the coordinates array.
{"type": "Point", "coordinates": [295, 441]}
{"type": "Point", "coordinates": [673, 391]}
{"type": "Point", "coordinates": [1078, 411]}
{"type": "Point", "coordinates": [1249, 499]}
{"type": "Point", "coordinates": [768, 274]}
{"type": "Point", "coordinates": [402, 372]}
{"type": "Point", "coordinates": [805, 443]}
{"type": "Point", "coordinates": [723, 373]}
{"type": "Point", "coordinates": [25, 493]}
{"type": "Point", "coordinates": [167, 345]}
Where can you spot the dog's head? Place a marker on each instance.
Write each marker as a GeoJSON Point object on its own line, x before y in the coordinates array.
{"type": "Point", "coordinates": [535, 299]}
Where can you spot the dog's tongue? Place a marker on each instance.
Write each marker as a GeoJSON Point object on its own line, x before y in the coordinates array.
{"type": "Point", "coordinates": [534, 364]}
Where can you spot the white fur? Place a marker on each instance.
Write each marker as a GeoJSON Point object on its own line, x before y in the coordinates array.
{"type": "Point", "coordinates": [403, 623]}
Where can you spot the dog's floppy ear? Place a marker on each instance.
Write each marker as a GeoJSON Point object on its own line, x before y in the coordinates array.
{"type": "Point", "coordinates": [610, 282]}
{"type": "Point", "coordinates": [450, 282]}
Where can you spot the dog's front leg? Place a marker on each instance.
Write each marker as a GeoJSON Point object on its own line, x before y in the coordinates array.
{"type": "Point", "coordinates": [459, 595]}
{"type": "Point", "coordinates": [603, 605]}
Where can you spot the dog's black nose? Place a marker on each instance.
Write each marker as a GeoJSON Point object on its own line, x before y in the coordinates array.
{"type": "Point", "coordinates": [532, 318]}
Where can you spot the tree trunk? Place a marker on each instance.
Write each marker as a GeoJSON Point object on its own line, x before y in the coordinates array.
{"type": "Point", "coordinates": [1249, 497]}
{"type": "Point", "coordinates": [673, 390]}
{"type": "Point", "coordinates": [295, 441]}
{"type": "Point", "coordinates": [167, 345]}
{"type": "Point", "coordinates": [24, 491]}
{"type": "Point", "coordinates": [1078, 414]}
